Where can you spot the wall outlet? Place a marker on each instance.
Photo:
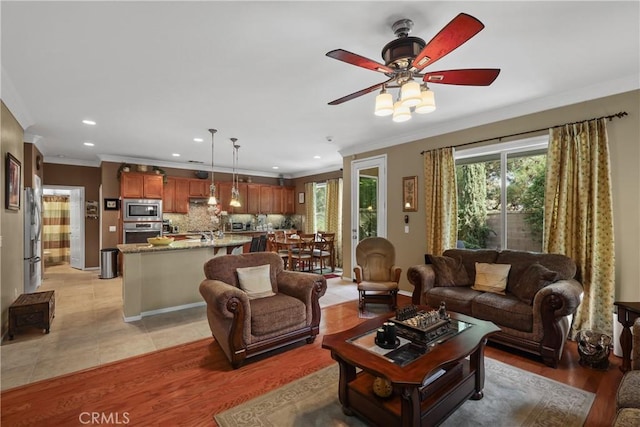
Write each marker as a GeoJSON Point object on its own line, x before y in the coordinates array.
{"type": "Point", "coordinates": [112, 228]}
{"type": "Point", "coordinates": [406, 229]}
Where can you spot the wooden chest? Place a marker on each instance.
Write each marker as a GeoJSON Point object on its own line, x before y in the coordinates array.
{"type": "Point", "coordinates": [36, 309]}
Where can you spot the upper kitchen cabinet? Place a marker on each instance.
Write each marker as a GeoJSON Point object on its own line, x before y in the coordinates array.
{"type": "Point", "coordinates": [199, 188]}
{"type": "Point", "coordinates": [253, 198]}
{"type": "Point", "coordinates": [224, 193]}
{"type": "Point", "coordinates": [141, 186]}
{"type": "Point", "coordinates": [176, 195]}
{"type": "Point", "coordinates": [289, 203]}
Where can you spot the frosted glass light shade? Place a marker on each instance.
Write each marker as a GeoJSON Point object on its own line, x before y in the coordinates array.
{"type": "Point", "coordinates": [384, 104]}
{"type": "Point", "coordinates": [428, 102]}
{"type": "Point", "coordinates": [410, 94]}
{"type": "Point", "coordinates": [401, 113]}
{"type": "Point", "coordinates": [212, 200]}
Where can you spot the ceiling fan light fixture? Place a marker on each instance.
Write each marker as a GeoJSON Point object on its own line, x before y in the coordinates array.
{"type": "Point", "coordinates": [427, 102]}
{"type": "Point", "coordinates": [401, 113]}
{"type": "Point", "coordinates": [410, 94]}
{"type": "Point", "coordinates": [384, 104]}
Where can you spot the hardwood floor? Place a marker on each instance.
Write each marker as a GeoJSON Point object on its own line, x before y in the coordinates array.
{"type": "Point", "coordinates": [188, 384]}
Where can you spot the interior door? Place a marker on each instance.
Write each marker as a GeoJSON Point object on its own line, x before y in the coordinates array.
{"type": "Point", "coordinates": [76, 218]}
{"type": "Point", "coordinates": [369, 195]}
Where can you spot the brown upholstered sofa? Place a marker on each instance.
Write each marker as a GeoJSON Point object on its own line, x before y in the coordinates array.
{"type": "Point", "coordinates": [536, 309]}
{"type": "Point", "coordinates": [245, 327]}
{"type": "Point", "coordinates": [628, 395]}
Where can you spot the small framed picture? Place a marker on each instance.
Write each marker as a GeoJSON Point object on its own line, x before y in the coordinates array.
{"type": "Point", "coordinates": [410, 193]}
{"type": "Point", "coordinates": [111, 204]}
{"type": "Point", "coordinates": [301, 197]}
{"type": "Point", "coordinates": [12, 183]}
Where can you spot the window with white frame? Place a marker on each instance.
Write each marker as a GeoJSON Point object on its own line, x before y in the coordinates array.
{"type": "Point", "coordinates": [320, 196]}
{"type": "Point", "coordinates": [501, 195]}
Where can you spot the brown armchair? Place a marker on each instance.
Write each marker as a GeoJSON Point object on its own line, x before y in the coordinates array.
{"type": "Point", "coordinates": [246, 327]}
{"type": "Point", "coordinates": [376, 274]}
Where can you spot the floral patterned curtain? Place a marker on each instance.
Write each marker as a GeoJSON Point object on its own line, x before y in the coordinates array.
{"type": "Point", "coordinates": [56, 229]}
{"type": "Point", "coordinates": [334, 215]}
{"type": "Point", "coordinates": [441, 200]}
{"type": "Point", "coordinates": [579, 215]}
{"type": "Point", "coordinates": [310, 207]}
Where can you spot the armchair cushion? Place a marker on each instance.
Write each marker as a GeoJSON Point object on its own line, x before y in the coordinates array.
{"type": "Point", "coordinates": [256, 281]}
{"type": "Point", "coordinates": [449, 271]}
{"type": "Point", "coordinates": [273, 316]}
{"type": "Point", "coordinates": [534, 278]}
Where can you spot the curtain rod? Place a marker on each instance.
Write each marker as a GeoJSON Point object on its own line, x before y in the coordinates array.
{"type": "Point", "coordinates": [610, 117]}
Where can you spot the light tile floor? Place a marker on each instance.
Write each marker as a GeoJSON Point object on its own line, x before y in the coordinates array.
{"type": "Point", "coordinates": [88, 329]}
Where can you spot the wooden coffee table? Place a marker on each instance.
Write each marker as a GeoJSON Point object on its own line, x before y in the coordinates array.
{"type": "Point", "coordinates": [418, 399]}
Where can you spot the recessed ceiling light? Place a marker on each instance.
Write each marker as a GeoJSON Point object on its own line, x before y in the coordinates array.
{"type": "Point", "coordinates": [89, 122]}
{"type": "Point", "coordinates": [275, 167]}
{"type": "Point", "coordinates": [175, 155]}
{"type": "Point", "coordinates": [316, 157]}
{"type": "Point", "coordinates": [89, 144]}
{"type": "Point", "coordinates": [198, 139]}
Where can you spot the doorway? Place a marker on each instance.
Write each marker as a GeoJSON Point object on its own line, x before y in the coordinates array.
{"type": "Point", "coordinates": [369, 207]}
{"type": "Point", "coordinates": [63, 226]}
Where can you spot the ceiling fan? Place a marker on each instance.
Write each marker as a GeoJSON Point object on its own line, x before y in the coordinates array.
{"type": "Point", "coordinates": [406, 57]}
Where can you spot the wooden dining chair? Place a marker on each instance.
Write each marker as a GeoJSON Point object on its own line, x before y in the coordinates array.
{"type": "Point", "coordinates": [301, 255]}
{"type": "Point", "coordinates": [323, 250]}
{"type": "Point", "coordinates": [273, 246]}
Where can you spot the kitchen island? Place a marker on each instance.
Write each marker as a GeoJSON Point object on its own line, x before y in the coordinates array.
{"type": "Point", "coordinates": [159, 279]}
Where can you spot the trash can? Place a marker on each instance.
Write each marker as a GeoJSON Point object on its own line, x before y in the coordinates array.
{"type": "Point", "coordinates": [108, 263]}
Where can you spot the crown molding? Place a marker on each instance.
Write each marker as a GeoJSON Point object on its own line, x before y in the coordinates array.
{"type": "Point", "coordinates": [13, 101]}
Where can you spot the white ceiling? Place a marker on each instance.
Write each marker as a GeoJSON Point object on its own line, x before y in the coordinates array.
{"type": "Point", "coordinates": [154, 75]}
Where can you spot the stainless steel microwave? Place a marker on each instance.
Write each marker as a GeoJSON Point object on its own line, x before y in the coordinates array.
{"type": "Point", "coordinates": [142, 210]}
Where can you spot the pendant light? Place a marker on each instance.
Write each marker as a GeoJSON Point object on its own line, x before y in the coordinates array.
{"type": "Point", "coordinates": [212, 188]}
{"type": "Point", "coordinates": [235, 193]}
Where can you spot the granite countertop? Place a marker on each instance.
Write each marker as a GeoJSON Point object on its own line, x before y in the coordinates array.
{"type": "Point", "coordinates": [184, 244]}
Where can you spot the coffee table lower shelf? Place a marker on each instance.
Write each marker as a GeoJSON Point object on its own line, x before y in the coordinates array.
{"type": "Point", "coordinates": [437, 400]}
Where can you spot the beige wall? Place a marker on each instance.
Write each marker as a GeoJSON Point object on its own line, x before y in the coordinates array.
{"type": "Point", "coordinates": [624, 139]}
{"type": "Point", "coordinates": [11, 222]}
{"type": "Point", "coordinates": [300, 182]}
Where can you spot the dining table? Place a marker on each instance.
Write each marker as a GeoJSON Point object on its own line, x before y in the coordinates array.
{"type": "Point", "coordinates": [292, 242]}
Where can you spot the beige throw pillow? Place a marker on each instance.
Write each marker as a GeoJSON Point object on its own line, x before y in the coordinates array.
{"type": "Point", "coordinates": [256, 281]}
{"type": "Point", "coordinates": [491, 277]}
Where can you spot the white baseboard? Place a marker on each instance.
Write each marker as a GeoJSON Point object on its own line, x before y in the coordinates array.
{"type": "Point", "coordinates": [163, 310]}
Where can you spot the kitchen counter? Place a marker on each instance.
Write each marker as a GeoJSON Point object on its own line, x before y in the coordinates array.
{"type": "Point", "coordinates": [225, 242]}
{"type": "Point", "coordinates": [160, 279]}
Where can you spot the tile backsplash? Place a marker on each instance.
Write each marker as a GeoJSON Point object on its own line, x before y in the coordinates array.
{"type": "Point", "coordinates": [199, 219]}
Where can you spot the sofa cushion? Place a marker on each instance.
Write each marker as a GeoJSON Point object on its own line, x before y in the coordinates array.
{"type": "Point", "coordinates": [491, 277]}
{"type": "Point", "coordinates": [255, 281]}
{"type": "Point", "coordinates": [503, 310]}
{"type": "Point", "coordinates": [276, 315]}
{"type": "Point", "coordinates": [471, 256]}
{"type": "Point", "coordinates": [521, 260]}
{"type": "Point", "coordinates": [457, 299]}
{"type": "Point", "coordinates": [534, 278]}
{"type": "Point", "coordinates": [628, 395]}
{"type": "Point", "coordinates": [449, 271]}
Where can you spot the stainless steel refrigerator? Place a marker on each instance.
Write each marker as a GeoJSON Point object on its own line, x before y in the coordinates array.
{"type": "Point", "coordinates": [33, 236]}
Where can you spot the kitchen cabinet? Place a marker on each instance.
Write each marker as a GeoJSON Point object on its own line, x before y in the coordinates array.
{"type": "Point", "coordinates": [253, 198]}
{"type": "Point", "coordinates": [266, 199]}
{"type": "Point", "coordinates": [199, 188]}
{"type": "Point", "coordinates": [224, 193]}
{"type": "Point", "coordinates": [141, 186]}
{"type": "Point", "coordinates": [176, 196]}
{"type": "Point", "coordinates": [277, 200]}
{"type": "Point", "coordinates": [289, 204]}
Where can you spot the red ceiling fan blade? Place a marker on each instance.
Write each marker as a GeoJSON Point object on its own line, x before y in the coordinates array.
{"type": "Point", "coordinates": [468, 77]}
{"type": "Point", "coordinates": [359, 93]}
{"type": "Point", "coordinates": [454, 34]}
{"type": "Point", "coordinates": [360, 61]}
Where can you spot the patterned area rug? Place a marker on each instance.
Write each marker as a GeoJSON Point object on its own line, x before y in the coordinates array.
{"type": "Point", "coordinates": [512, 397]}
{"type": "Point", "coordinates": [330, 276]}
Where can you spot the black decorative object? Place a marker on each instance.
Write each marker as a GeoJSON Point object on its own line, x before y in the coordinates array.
{"type": "Point", "coordinates": [111, 204]}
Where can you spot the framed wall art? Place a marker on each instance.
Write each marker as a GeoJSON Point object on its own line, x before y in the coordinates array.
{"type": "Point", "coordinates": [12, 183]}
{"type": "Point", "coordinates": [301, 198]}
{"type": "Point", "coordinates": [111, 204]}
{"type": "Point", "coordinates": [410, 193]}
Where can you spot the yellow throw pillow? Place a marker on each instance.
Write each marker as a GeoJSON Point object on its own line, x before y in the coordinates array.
{"type": "Point", "coordinates": [491, 277]}
{"type": "Point", "coordinates": [256, 281]}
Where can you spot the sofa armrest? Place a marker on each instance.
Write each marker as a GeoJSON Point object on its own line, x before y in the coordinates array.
{"type": "Point", "coordinates": [423, 278]}
{"type": "Point", "coordinates": [229, 314]}
{"type": "Point", "coordinates": [307, 287]}
{"type": "Point", "coordinates": [558, 299]}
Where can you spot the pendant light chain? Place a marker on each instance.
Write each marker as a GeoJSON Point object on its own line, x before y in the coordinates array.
{"type": "Point", "coordinates": [212, 187]}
